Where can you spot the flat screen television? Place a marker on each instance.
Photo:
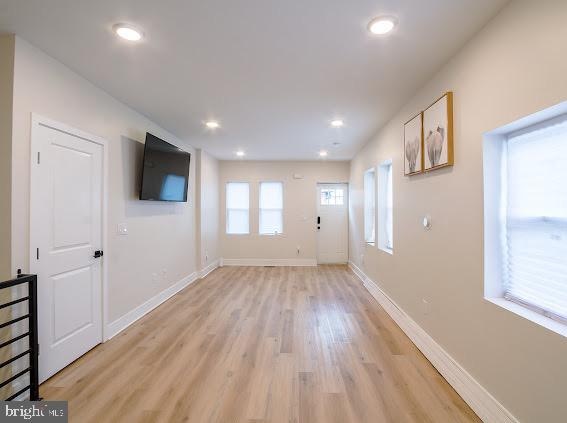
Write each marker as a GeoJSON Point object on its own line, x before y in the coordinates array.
{"type": "Point", "coordinates": [165, 171]}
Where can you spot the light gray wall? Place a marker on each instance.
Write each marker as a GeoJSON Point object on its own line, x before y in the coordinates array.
{"type": "Point", "coordinates": [6, 86]}
{"type": "Point", "coordinates": [161, 236]}
{"type": "Point", "coordinates": [300, 207]}
{"type": "Point", "coordinates": [514, 67]}
{"type": "Point", "coordinates": [208, 209]}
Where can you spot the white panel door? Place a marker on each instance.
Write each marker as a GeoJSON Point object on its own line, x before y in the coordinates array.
{"type": "Point", "coordinates": [66, 230]}
{"type": "Point", "coordinates": [332, 223]}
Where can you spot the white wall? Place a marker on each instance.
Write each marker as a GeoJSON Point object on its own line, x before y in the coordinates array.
{"type": "Point", "coordinates": [161, 236]}
{"type": "Point", "coordinates": [515, 66]}
{"type": "Point", "coordinates": [208, 199]}
{"type": "Point", "coordinates": [6, 85]}
{"type": "Point", "coordinates": [300, 207]}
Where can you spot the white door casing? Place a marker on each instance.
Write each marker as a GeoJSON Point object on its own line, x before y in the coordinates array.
{"type": "Point", "coordinates": [332, 231]}
{"type": "Point", "coordinates": [66, 228]}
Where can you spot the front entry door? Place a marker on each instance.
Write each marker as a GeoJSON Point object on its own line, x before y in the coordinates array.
{"type": "Point", "coordinates": [66, 230]}
{"type": "Point", "coordinates": [332, 223]}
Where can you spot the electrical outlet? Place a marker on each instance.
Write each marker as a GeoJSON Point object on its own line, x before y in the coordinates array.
{"type": "Point", "coordinates": [164, 274]}
{"type": "Point", "coordinates": [122, 229]}
{"type": "Point", "coordinates": [154, 277]}
{"type": "Point", "coordinates": [425, 306]}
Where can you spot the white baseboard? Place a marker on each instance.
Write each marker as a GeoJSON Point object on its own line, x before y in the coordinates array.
{"type": "Point", "coordinates": [204, 272]}
{"type": "Point", "coordinates": [117, 326]}
{"type": "Point", "coordinates": [269, 262]}
{"type": "Point", "coordinates": [474, 394]}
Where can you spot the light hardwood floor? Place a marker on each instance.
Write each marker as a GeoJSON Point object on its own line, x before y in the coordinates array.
{"type": "Point", "coordinates": [255, 344]}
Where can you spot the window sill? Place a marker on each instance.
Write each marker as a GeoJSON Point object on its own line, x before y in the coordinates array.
{"type": "Point", "coordinates": [387, 250]}
{"type": "Point", "coordinates": [531, 315]}
{"type": "Point", "coordinates": [370, 243]}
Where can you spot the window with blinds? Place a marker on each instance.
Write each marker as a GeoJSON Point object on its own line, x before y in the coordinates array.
{"type": "Point", "coordinates": [271, 208]}
{"type": "Point", "coordinates": [534, 206]}
{"type": "Point", "coordinates": [237, 208]}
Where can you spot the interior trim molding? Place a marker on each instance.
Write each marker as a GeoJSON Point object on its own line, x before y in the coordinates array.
{"type": "Point", "coordinates": [475, 395]}
{"type": "Point", "coordinates": [206, 270]}
{"type": "Point", "coordinates": [269, 262]}
{"type": "Point", "coordinates": [118, 325]}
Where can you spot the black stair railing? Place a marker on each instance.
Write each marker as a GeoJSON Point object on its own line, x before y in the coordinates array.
{"type": "Point", "coordinates": [31, 334]}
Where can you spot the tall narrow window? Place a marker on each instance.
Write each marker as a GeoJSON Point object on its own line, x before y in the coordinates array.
{"type": "Point", "coordinates": [237, 208]}
{"type": "Point", "coordinates": [271, 208]}
{"type": "Point", "coordinates": [370, 206]}
{"type": "Point", "coordinates": [535, 230]}
{"type": "Point", "coordinates": [385, 207]}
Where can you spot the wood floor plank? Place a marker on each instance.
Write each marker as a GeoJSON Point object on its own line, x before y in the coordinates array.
{"type": "Point", "coordinates": [261, 344]}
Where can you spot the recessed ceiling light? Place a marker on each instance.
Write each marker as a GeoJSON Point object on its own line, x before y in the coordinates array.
{"type": "Point", "coordinates": [128, 32]}
{"type": "Point", "coordinates": [212, 124]}
{"type": "Point", "coordinates": [337, 123]}
{"type": "Point", "coordinates": [323, 153]}
{"type": "Point", "coordinates": [240, 153]}
{"type": "Point", "coordinates": [382, 25]}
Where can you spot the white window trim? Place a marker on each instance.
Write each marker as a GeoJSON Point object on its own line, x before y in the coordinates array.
{"type": "Point", "coordinates": [494, 174]}
{"type": "Point", "coordinates": [226, 209]}
{"type": "Point", "coordinates": [282, 233]}
{"type": "Point", "coordinates": [382, 208]}
{"type": "Point", "coordinates": [370, 169]}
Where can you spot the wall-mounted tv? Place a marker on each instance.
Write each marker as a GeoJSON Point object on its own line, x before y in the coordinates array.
{"type": "Point", "coordinates": [165, 171]}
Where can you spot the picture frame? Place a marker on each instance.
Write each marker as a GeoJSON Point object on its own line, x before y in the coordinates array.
{"type": "Point", "coordinates": [438, 133]}
{"type": "Point", "coordinates": [413, 145]}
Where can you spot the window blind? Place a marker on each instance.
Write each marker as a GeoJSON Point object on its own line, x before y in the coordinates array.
{"type": "Point", "coordinates": [237, 208]}
{"type": "Point", "coordinates": [535, 205]}
{"type": "Point", "coordinates": [271, 208]}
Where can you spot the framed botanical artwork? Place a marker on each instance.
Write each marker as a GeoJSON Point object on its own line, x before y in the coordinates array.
{"type": "Point", "coordinates": [413, 145]}
{"type": "Point", "coordinates": [438, 133]}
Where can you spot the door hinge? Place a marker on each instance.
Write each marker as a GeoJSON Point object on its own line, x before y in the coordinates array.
{"type": "Point", "coordinates": [38, 157]}
{"type": "Point", "coordinates": [37, 253]}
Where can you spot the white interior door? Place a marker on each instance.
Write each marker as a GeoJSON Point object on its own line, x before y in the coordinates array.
{"type": "Point", "coordinates": [66, 230]}
{"type": "Point", "coordinates": [332, 224]}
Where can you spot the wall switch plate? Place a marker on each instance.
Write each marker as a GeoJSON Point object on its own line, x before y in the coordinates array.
{"type": "Point", "coordinates": [122, 229]}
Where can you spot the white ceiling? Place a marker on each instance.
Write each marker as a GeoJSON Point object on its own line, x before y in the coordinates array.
{"type": "Point", "coordinates": [273, 73]}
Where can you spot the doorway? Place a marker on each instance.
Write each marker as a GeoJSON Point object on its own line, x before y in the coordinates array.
{"type": "Point", "coordinates": [66, 240]}
{"type": "Point", "coordinates": [332, 223]}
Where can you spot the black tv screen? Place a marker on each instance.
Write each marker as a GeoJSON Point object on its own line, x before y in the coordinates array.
{"type": "Point", "coordinates": [165, 172]}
